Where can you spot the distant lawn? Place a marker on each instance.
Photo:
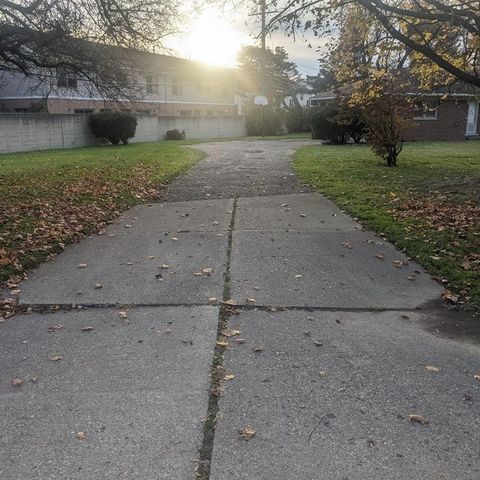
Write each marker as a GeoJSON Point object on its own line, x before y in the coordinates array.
{"type": "Point", "coordinates": [54, 197]}
{"type": "Point", "coordinates": [429, 205]}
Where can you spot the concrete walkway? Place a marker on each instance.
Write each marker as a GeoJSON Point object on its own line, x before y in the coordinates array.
{"type": "Point", "coordinates": [336, 340]}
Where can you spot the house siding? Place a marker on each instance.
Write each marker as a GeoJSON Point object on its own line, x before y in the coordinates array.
{"type": "Point", "coordinates": [450, 125]}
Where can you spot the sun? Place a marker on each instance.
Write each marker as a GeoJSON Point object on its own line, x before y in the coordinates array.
{"type": "Point", "coordinates": [213, 39]}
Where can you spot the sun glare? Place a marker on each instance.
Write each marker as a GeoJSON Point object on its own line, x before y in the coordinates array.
{"type": "Point", "coordinates": [213, 39]}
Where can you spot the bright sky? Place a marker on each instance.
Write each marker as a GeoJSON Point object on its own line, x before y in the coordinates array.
{"type": "Point", "coordinates": [216, 34]}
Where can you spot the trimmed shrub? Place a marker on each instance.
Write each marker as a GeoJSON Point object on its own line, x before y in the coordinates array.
{"type": "Point", "coordinates": [115, 127]}
{"type": "Point", "coordinates": [326, 127]}
{"type": "Point", "coordinates": [175, 135]}
{"type": "Point", "coordinates": [268, 122]}
{"type": "Point", "coordinates": [297, 120]}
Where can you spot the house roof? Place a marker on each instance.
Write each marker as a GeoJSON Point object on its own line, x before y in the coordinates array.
{"type": "Point", "coordinates": [328, 95]}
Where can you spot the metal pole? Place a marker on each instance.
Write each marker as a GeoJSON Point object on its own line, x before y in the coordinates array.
{"type": "Point", "coordinates": [264, 59]}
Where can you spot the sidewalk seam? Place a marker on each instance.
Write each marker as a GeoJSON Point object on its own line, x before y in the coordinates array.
{"type": "Point", "coordinates": [217, 371]}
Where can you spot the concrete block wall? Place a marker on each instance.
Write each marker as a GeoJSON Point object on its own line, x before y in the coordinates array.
{"type": "Point", "coordinates": [27, 132]}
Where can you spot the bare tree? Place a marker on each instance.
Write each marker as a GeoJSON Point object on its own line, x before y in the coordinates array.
{"type": "Point", "coordinates": [81, 38]}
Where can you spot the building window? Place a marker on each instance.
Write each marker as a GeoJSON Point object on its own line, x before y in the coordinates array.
{"type": "Point", "coordinates": [198, 113]}
{"type": "Point", "coordinates": [151, 83]}
{"type": "Point", "coordinates": [176, 87]}
{"type": "Point", "coordinates": [66, 80]}
{"type": "Point", "coordinates": [186, 113]}
{"type": "Point", "coordinates": [425, 110]}
{"type": "Point", "coordinates": [83, 110]}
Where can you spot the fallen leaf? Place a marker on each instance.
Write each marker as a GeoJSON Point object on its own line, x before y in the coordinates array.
{"type": "Point", "coordinates": [164, 266]}
{"type": "Point", "coordinates": [17, 382]}
{"type": "Point", "coordinates": [174, 239]}
{"type": "Point", "coordinates": [98, 285]}
{"type": "Point", "coordinates": [477, 376]}
{"type": "Point", "coordinates": [418, 419]}
{"type": "Point", "coordinates": [80, 435]}
{"type": "Point", "coordinates": [398, 263]}
{"type": "Point", "coordinates": [231, 302]}
{"type": "Point", "coordinates": [55, 328]}
{"type": "Point", "coordinates": [228, 377]}
{"type": "Point", "coordinates": [298, 276]}
{"type": "Point", "coordinates": [247, 433]}
{"type": "Point", "coordinates": [15, 292]}
{"type": "Point", "coordinates": [302, 215]}
{"type": "Point", "coordinates": [212, 300]}
{"type": "Point", "coordinates": [55, 358]}
{"type": "Point", "coordinates": [251, 300]}
{"type": "Point", "coordinates": [128, 225]}
{"type": "Point", "coordinates": [222, 343]}
{"type": "Point", "coordinates": [208, 271]}
{"type": "Point", "coordinates": [449, 296]}
{"type": "Point", "coordinates": [150, 257]}
{"type": "Point", "coordinates": [240, 340]}
{"type": "Point", "coordinates": [347, 244]}
{"type": "Point", "coordinates": [318, 343]}
{"type": "Point", "coordinates": [122, 314]}
{"type": "Point", "coordinates": [230, 333]}
{"type": "Point", "coordinates": [431, 368]}
{"type": "Point", "coordinates": [380, 256]}
{"type": "Point", "coordinates": [322, 373]}
{"type": "Point", "coordinates": [284, 205]}
{"type": "Point", "coordinates": [257, 348]}
{"type": "Point", "coordinates": [82, 265]}
{"type": "Point", "coordinates": [87, 329]}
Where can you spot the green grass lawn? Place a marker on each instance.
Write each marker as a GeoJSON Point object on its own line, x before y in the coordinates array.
{"type": "Point", "coordinates": [429, 205]}
{"type": "Point", "coordinates": [51, 198]}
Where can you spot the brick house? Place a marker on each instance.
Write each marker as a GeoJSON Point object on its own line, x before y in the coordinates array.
{"type": "Point", "coordinates": [444, 114]}
{"type": "Point", "coordinates": [164, 86]}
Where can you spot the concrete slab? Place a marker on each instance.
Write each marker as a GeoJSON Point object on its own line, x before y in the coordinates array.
{"type": "Point", "coordinates": [325, 269]}
{"type": "Point", "coordinates": [240, 169]}
{"type": "Point", "coordinates": [291, 212]}
{"type": "Point", "coordinates": [340, 410]}
{"type": "Point", "coordinates": [128, 267]}
{"type": "Point", "coordinates": [137, 391]}
{"type": "Point", "coordinates": [195, 216]}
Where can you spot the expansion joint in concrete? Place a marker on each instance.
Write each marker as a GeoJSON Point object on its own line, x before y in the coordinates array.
{"type": "Point", "coordinates": [217, 371]}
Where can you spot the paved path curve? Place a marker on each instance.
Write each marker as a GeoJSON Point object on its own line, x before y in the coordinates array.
{"type": "Point", "coordinates": [338, 349]}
